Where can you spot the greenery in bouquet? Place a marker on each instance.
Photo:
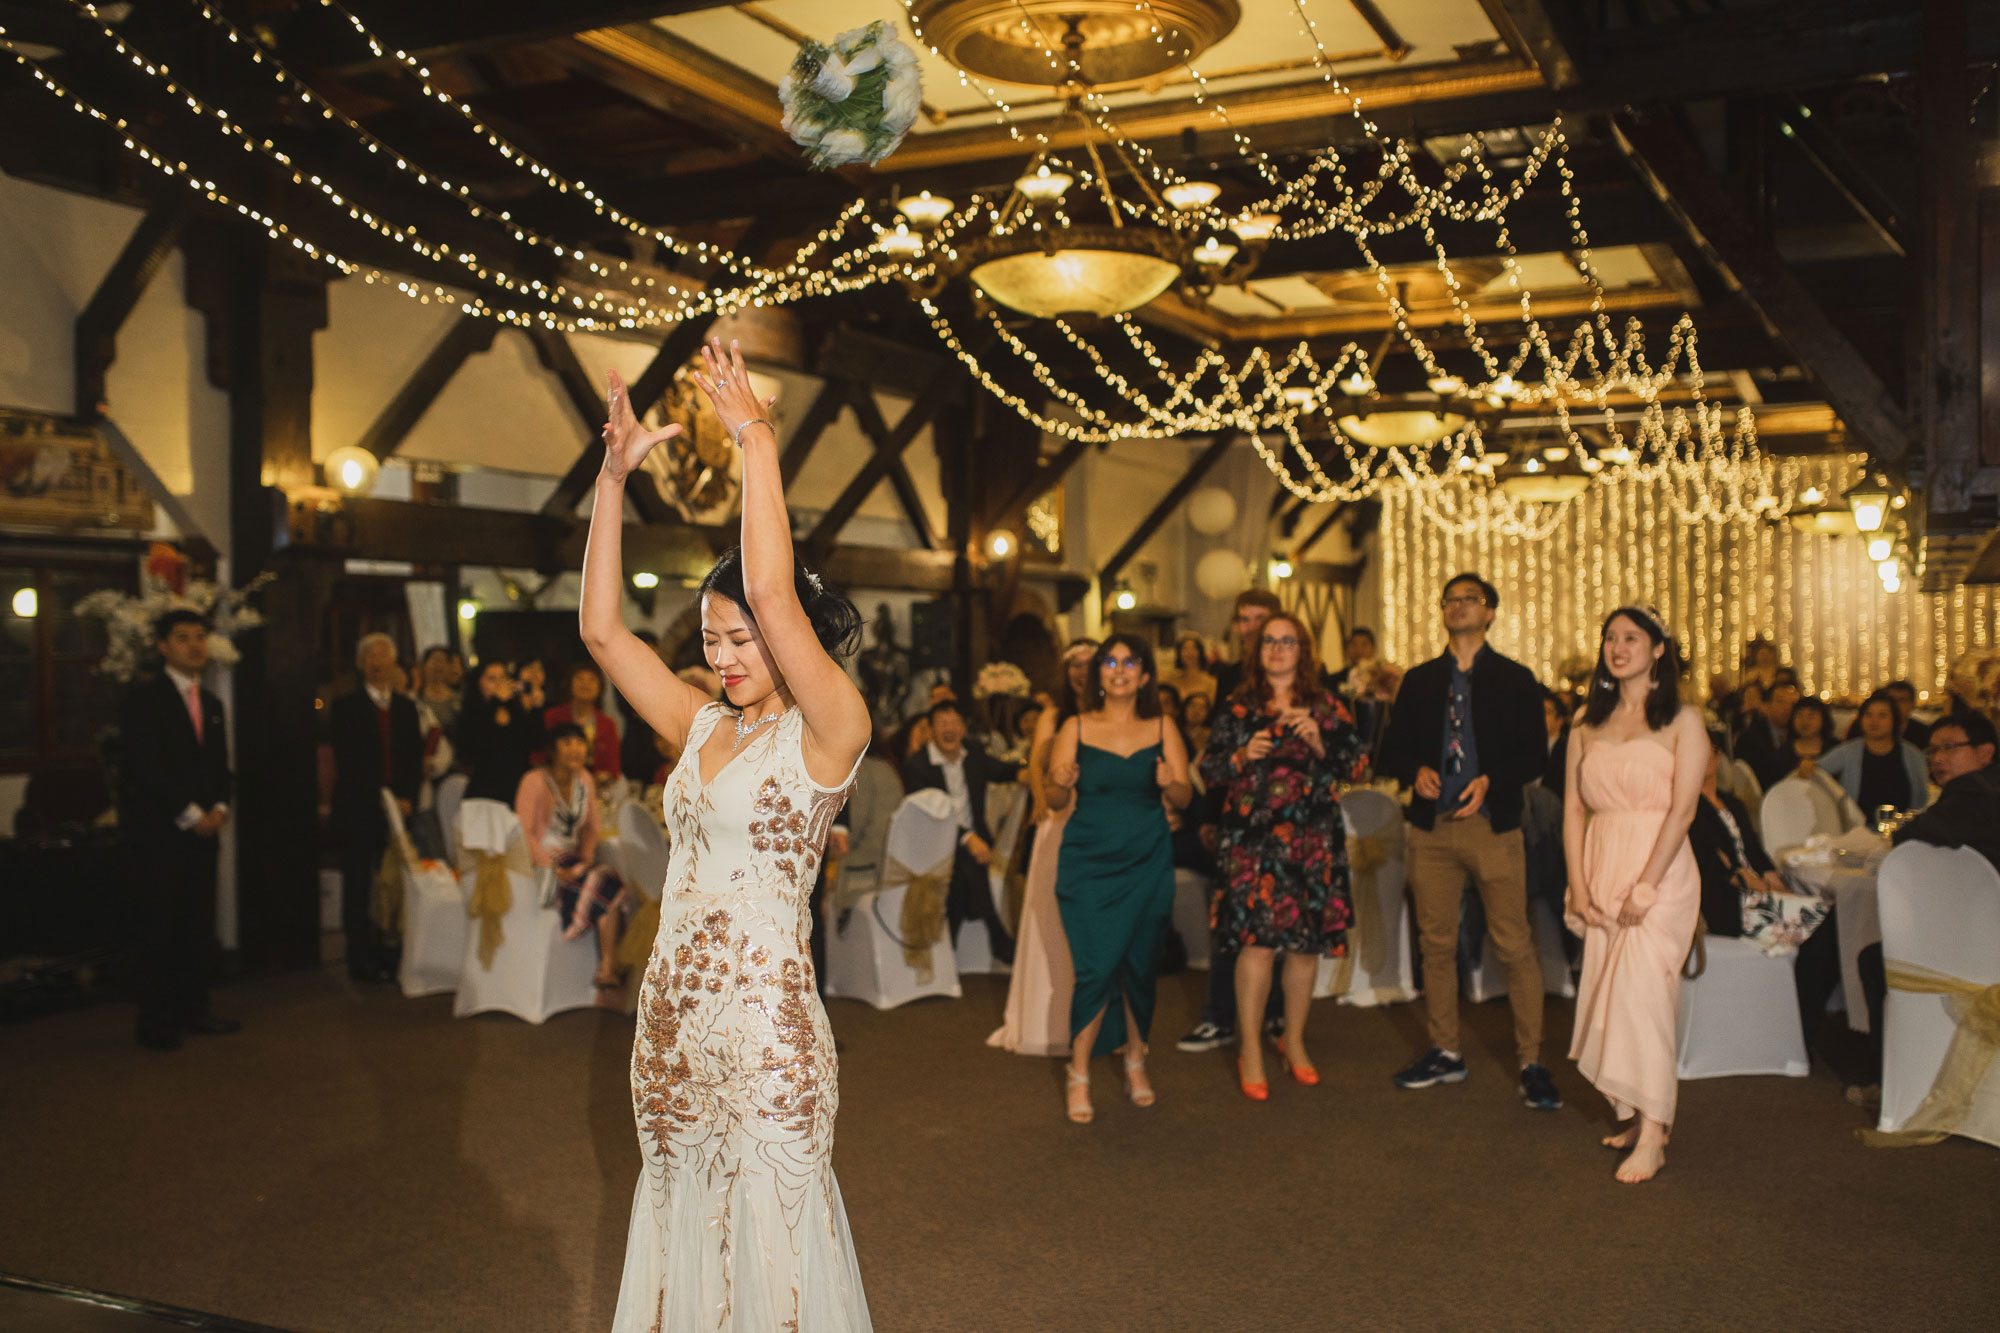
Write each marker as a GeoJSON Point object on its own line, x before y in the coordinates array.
{"type": "Point", "coordinates": [129, 619]}
{"type": "Point", "coordinates": [1001, 680]}
{"type": "Point", "coordinates": [853, 99]}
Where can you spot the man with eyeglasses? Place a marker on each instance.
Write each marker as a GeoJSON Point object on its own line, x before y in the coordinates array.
{"type": "Point", "coordinates": [1466, 733]}
{"type": "Point", "coordinates": [1966, 813]}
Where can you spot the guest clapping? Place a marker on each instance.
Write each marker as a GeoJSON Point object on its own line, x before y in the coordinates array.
{"type": "Point", "coordinates": [1279, 747]}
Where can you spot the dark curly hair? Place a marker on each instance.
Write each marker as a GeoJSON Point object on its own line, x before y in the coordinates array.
{"type": "Point", "coordinates": [1147, 704]}
{"type": "Point", "coordinates": [835, 621]}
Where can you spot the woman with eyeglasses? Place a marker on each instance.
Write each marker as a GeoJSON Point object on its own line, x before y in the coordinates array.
{"type": "Point", "coordinates": [1038, 991]}
{"type": "Point", "coordinates": [1278, 749]}
{"type": "Point", "coordinates": [1115, 761]}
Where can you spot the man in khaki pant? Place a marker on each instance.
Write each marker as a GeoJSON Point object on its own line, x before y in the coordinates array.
{"type": "Point", "coordinates": [1466, 733]}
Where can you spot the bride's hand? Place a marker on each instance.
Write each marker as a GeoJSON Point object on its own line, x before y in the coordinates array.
{"type": "Point", "coordinates": [727, 385]}
{"type": "Point", "coordinates": [626, 442]}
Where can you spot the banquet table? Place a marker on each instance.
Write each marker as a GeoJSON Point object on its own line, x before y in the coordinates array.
{"type": "Point", "coordinates": [1850, 886]}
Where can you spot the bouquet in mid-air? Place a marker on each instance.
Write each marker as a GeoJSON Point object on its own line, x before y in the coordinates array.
{"type": "Point", "coordinates": [852, 99]}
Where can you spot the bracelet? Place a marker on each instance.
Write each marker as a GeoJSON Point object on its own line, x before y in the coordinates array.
{"type": "Point", "coordinates": [753, 421]}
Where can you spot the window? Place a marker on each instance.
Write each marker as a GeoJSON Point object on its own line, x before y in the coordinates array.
{"type": "Point", "coordinates": [54, 706]}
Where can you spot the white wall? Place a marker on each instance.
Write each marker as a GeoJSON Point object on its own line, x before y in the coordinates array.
{"type": "Point", "coordinates": [55, 248]}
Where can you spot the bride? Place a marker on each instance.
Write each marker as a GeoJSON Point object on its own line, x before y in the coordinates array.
{"type": "Point", "coordinates": [737, 1222]}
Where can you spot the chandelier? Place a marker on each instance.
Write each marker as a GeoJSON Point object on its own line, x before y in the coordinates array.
{"type": "Point", "coordinates": [1063, 242]}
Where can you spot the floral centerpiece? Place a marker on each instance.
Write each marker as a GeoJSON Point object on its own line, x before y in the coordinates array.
{"type": "Point", "coordinates": [853, 99]}
{"type": "Point", "coordinates": [1001, 680]}
{"type": "Point", "coordinates": [163, 587]}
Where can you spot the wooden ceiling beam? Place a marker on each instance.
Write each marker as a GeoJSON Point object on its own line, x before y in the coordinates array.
{"type": "Point", "coordinates": [96, 337]}
{"type": "Point", "coordinates": [472, 334]}
{"type": "Point", "coordinates": [1677, 172]}
{"type": "Point", "coordinates": [943, 389]}
{"type": "Point", "coordinates": [1529, 28]}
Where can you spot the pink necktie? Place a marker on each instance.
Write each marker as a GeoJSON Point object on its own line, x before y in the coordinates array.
{"type": "Point", "coordinates": [194, 709]}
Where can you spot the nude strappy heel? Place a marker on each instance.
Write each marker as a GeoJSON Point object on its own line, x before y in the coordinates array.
{"type": "Point", "coordinates": [1080, 1111]}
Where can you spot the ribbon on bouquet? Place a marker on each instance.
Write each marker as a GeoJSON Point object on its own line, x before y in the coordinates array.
{"type": "Point", "coordinates": [1975, 1042]}
{"type": "Point", "coordinates": [922, 923]}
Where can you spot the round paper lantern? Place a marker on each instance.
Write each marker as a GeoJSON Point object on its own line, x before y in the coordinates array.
{"type": "Point", "coordinates": [1221, 574]}
{"type": "Point", "coordinates": [1211, 510]}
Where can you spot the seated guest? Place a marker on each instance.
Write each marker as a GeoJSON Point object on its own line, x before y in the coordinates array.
{"type": "Point", "coordinates": [600, 729]}
{"type": "Point", "coordinates": [1915, 733]}
{"type": "Point", "coordinates": [499, 730]}
{"type": "Point", "coordinates": [1195, 710]}
{"type": "Point", "coordinates": [1748, 709]}
{"type": "Point", "coordinates": [1190, 674]}
{"type": "Point", "coordinates": [1555, 728]}
{"type": "Point", "coordinates": [1880, 769]}
{"type": "Point", "coordinates": [950, 766]}
{"type": "Point", "coordinates": [557, 806]}
{"type": "Point", "coordinates": [1808, 733]}
{"type": "Point", "coordinates": [1742, 893]}
{"type": "Point", "coordinates": [1967, 810]}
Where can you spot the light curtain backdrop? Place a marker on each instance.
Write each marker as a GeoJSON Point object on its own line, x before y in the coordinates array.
{"type": "Point", "coordinates": [1717, 585]}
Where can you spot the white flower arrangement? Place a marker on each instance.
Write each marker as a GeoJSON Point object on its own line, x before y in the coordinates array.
{"type": "Point", "coordinates": [1001, 679]}
{"type": "Point", "coordinates": [853, 99]}
{"type": "Point", "coordinates": [128, 620]}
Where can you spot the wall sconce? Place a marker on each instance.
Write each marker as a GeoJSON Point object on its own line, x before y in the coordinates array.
{"type": "Point", "coordinates": [351, 470]}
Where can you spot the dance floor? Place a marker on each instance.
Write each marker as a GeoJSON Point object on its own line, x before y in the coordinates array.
{"type": "Point", "coordinates": [358, 1161]}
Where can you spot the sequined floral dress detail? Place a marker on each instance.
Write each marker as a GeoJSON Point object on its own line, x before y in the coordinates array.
{"type": "Point", "coordinates": [737, 1224]}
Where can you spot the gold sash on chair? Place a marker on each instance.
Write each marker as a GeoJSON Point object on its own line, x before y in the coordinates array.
{"type": "Point", "coordinates": [635, 946]}
{"type": "Point", "coordinates": [492, 896]}
{"type": "Point", "coordinates": [1976, 1009]}
{"type": "Point", "coordinates": [922, 923]}
{"type": "Point", "coordinates": [1367, 932]}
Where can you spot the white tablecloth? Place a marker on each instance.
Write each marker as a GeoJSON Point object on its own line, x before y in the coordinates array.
{"type": "Point", "coordinates": [1852, 892]}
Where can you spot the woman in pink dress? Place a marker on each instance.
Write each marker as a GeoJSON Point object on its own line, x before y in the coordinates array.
{"type": "Point", "coordinates": [1037, 1019]}
{"type": "Point", "coordinates": [1635, 769]}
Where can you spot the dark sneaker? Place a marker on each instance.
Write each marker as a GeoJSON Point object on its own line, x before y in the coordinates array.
{"type": "Point", "coordinates": [1206, 1036]}
{"type": "Point", "coordinates": [1274, 1028]}
{"type": "Point", "coordinates": [1431, 1068]}
{"type": "Point", "coordinates": [1538, 1090]}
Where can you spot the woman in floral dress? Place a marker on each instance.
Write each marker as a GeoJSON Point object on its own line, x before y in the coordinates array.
{"type": "Point", "coordinates": [1280, 747]}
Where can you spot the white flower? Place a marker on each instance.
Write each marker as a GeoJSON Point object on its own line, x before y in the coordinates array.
{"type": "Point", "coordinates": [843, 146]}
{"type": "Point", "coordinates": [806, 133]}
{"type": "Point", "coordinates": [832, 82]}
{"type": "Point", "coordinates": [863, 60]}
{"type": "Point", "coordinates": [901, 101]}
{"type": "Point", "coordinates": [899, 56]}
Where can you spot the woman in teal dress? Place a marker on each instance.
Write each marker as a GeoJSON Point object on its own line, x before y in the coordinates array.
{"type": "Point", "coordinates": [1115, 883]}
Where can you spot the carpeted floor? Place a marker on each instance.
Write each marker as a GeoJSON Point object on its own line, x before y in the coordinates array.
{"type": "Point", "coordinates": [357, 1161]}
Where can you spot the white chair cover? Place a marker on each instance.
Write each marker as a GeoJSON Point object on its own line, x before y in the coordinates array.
{"type": "Point", "coordinates": [642, 851]}
{"type": "Point", "coordinates": [1741, 1015]}
{"type": "Point", "coordinates": [535, 972]}
{"type": "Point", "coordinates": [1192, 893]}
{"type": "Point", "coordinates": [450, 792]}
{"type": "Point", "coordinates": [864, 958]}
{"type": "Point", "coordinates": [1736, 778]}
{"type": "Point", "coordinates": [1796, 808]}
{"type": "Point", "coordinates": [1940, 910]}
{"type": "Point", "coordinates": [1393, 978]}
{"type": "Point", "coordinates": [434, 920]}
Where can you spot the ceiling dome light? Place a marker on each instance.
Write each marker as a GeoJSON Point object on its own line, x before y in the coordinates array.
{"type": "Point", "coordinates": [1401, 430]}
{"type": "Point", "coordinates": [901, 242]}
{"type": "Point", "coordinates": [351, 470]}
{"type": "Point", "coordinates": [926, 210]}
{"type": "Point", "coordinates": [1213, 253]}
{"type": "Point", "coordinates": [1191, 196]}
{"type": "Point", "coordinates": [1252, 228]}
{"type": "Point", "coordinates": [1100, 271]}
{"type": "Point", "coordinates": [1043, 186]}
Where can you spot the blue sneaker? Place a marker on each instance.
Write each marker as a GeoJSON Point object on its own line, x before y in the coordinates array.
{"type": "Point", "coordinates": [1538, 1090]}
{"type": "Point", "coordinates": [1432, 1067]}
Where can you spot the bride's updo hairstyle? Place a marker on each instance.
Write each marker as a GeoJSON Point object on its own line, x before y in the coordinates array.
{"type": "Point", "coordinates": [835, 621]}
{"type": "Point", "coordinates": [1663, 701]}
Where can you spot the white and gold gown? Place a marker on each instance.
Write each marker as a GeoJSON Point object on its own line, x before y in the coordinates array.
{"type": "Point", "coordinates": [738, 1223]}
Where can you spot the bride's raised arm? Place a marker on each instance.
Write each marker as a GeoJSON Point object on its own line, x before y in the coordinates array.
{"type": "Point", "coordinates": [667, 702]}
{"type": "Point", "coordinates": [836, 717]}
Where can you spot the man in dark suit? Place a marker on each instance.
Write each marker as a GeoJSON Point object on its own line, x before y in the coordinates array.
{"type": "Point", "coordinates": [963, 774]}
{"type": "Point", "coordinates": [173, 799]}
{"type": "Point", "coordinates": [1762, 744]}
{"type": "Point", "coordinates": [1966, 812]}
{"type": "Point", "coordinates": [1466, 733]}
{"type": "Point", "coordinates": [377, 743]}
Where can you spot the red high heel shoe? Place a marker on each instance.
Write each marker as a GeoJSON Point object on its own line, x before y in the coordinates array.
{"type": "Point", "coordinates": [1256, 1092]}
{"type": "Point", "coordinates": [1304, 1075]}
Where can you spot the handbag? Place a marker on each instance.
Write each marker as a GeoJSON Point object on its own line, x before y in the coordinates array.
{"type": "Point", "coordinates": [1696, 961]}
